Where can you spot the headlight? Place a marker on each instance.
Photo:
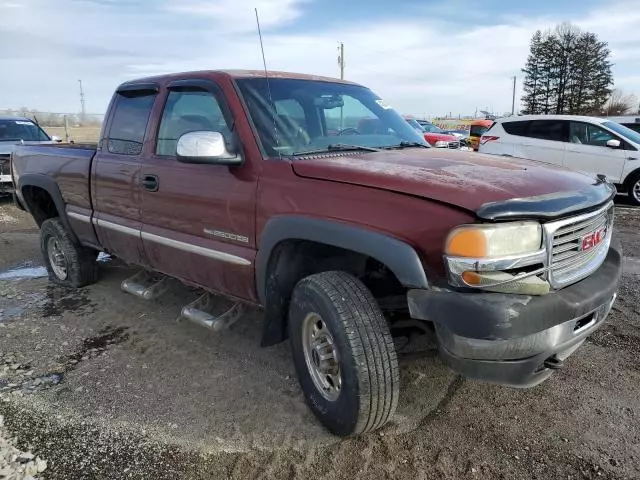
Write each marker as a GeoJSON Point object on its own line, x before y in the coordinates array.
{"type": "Point", "coordinates": [442, 144]}
{"type": "Point", "coordinates": [499, 240]}
{"type": "Point", "coordinates": [505, 258]}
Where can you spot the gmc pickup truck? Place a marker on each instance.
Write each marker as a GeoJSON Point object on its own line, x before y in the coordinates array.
{"type": "Point", "coordinates": [313, 199]}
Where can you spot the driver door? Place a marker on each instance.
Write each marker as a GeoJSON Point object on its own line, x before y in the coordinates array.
{"type": "Point", "coordinates": [587, 151]}
{"type": "Point", "coordinates": [198, 220]}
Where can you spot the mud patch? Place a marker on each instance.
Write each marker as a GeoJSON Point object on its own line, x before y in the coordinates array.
{"type": "Point", "coordinates": [59, 300]}
{"type": "Point", "coordinates": [96, 345]}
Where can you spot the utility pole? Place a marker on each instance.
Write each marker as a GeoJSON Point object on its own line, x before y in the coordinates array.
{"type": "Point", "coordinates": [513, 98]}
{"type": "Point", "coordinates": [341, 61]}
{"type": "Point", "coordinates": [83, 112]}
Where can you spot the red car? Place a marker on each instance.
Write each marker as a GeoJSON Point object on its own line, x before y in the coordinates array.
{"type": "Point", "coordinates": [434, 135]}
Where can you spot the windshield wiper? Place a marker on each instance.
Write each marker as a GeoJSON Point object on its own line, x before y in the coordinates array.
{"type": "Point", "coordinates": [338, 147]}
{"type": "Point", "coordinates": [405, 144]}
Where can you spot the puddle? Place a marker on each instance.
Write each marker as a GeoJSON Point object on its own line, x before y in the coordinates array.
{"type": "Point", "coordinates": [23, 272]}
{"type": "Point", "coordinates": [59, 300]}
{"type": "Point", "coordinates": [631, 266]}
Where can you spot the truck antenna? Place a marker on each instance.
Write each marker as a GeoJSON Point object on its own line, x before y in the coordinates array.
{"type": "Point", "coordinates": [266, 76]}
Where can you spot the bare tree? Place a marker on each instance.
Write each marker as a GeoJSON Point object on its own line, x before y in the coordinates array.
{"type": "Point", "coordinates": [620, 103]}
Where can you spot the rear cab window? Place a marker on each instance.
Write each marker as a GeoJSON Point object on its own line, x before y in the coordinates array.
{"type": "Point", "coordinates": [129, 122]}
{"type": "Point", "coordinates": [555, 130]}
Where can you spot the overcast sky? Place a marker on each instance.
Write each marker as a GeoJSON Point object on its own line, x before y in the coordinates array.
{"type": "Point", "coordinates": [422, 57]}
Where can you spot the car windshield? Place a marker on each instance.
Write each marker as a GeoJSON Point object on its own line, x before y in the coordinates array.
{"type": "Point", "coordinates": [16, 130]}
{"type": "Point", "coordinates": [416, 125]}
{"type": "Point", "coordinates": [431, 128]}
{"type": "Point", "coordinates": [626, 132]}
{"type": "Point", "coordinates": [294, 116]}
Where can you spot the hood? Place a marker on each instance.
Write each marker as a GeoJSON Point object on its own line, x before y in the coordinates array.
{"type": "Point", "coordinates": [464, 179]}
{"type": "Point", "coordinates": [8, 147]}
{"type": "Point", "coordinates": [432, 137]}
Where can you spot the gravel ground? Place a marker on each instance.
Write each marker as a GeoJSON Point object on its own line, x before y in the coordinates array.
{"type": "Point", "coordinates": [104, 385]}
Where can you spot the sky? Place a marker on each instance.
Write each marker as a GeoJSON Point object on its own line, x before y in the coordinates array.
{"type": "Point", "coordinates": [424, 57]}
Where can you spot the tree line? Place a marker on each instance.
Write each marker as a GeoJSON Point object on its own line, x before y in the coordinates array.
{"type": "Point", "coordinates": [568, 71]}
{"type": "Point", "coordinates": [49, 119]}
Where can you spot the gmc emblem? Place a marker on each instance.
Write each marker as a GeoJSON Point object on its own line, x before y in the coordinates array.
{"type": "Point", "coordinates": [591, 240]}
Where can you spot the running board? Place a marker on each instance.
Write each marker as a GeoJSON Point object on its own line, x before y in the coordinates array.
{"type": "Point", "coordinates": [212, 312]}
{"type": "Point", "coordinates": [146, 285]}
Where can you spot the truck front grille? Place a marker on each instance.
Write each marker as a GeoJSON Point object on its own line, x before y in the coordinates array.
{"type": "Point", "coordinates": [4, 164]}
{"type": "Point", "coordinates": [578, 246]}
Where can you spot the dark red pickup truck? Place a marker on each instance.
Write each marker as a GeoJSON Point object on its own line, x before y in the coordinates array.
{"type": "Point", "coordinates": [311, 198]}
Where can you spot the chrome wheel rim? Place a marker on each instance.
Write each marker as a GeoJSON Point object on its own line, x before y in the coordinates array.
{"type": "Point", "coordinates": [321, 356]}
{"type": "Point", "coordinates": [635, 191]}
{"type": "Point", "coordinates": [56, 258]}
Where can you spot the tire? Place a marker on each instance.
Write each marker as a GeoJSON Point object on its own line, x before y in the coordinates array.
{"type": "Point", "coordinates": [76, 262]}
{"type": "Point", "coordinates": [634, 189]}
{"type": "Point", "coordinates": [368, 375]}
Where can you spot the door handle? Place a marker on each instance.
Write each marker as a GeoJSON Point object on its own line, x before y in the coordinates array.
{"type": "Point", "coordinates": [150, 182]}
{"type": "Point", "coordinates": [631, 158]}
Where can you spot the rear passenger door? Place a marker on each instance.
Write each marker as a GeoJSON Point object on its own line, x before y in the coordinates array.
{"type": "Point", "coordinates": [545, 140]}
{"type": "Point", "coordinates": [199, 219]}
{"type": "Point", "coordinates": [116, 191]}
{"type": "Point", "coordinates": [587, 151]}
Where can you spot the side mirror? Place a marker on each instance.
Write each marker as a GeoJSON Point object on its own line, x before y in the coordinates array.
{"type": "Point", "coordinates": [613, 143]}
{"type": "Point", "coordinates": [205, 147]}
{"type": "Point", "coordinates": [55, 139]}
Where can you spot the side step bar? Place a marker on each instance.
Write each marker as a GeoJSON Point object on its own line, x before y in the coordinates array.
{"type": "Point", "coordinates": [145, 285]}
{"type": "Point", "coordinates": [212, 312]}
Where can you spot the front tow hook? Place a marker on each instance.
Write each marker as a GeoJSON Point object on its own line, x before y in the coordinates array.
{"type": "Point", "coordinates": [553, 363]}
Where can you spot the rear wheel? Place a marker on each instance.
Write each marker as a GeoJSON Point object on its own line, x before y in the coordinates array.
{"type": "Point", "coordinates": [68, 263]}
{"type": "Point", "coordinates": [343, 352]}
{"type": "Point", "coordinates": [634, 189]}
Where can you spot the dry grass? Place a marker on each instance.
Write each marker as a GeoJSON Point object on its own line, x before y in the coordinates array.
{"type": "Point", "coordinates": [77, 134]}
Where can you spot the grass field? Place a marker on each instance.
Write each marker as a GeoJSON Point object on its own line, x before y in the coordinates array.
{"type": "Point", "coordinates": [77, 134]}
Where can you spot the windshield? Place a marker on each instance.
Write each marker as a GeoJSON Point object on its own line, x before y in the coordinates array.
{"type": "Point", "coordinates": [310, 115]}
{"type": "Point", "coordinates": [414, 123]}
{"type": "Point", "coordinates": [430, 127]}
{"type": "Point", "coordinates": [626, 132]}
{"type": "Point", "coordinates": [478, 130]}
{"type": "Point", "coordinates": [16, 130]}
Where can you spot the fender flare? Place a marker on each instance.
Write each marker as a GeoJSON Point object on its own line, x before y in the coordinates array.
{"type": "Point", "coordinates": [49, 185]}
{"type": "Point", "coordinates": [395, 254]}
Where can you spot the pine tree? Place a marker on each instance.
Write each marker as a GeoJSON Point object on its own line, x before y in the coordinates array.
{"type": "Point", "coordinates": [567, 71]}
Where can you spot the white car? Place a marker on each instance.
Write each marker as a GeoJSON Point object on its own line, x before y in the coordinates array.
{"type": "Point", "coordinates": [589, 144]}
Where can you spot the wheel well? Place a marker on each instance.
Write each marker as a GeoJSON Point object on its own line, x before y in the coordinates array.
{"type": "Point", "coordinates": [293, 260]}
{"type": "Point", "coordinates": [630, 178]}
{"type": "Point", "coordinates": [39, 203]}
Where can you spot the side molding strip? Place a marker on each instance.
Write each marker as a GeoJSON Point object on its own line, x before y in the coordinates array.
{"type": "Point", "coordinates": [79, 216]}
{"type": "Point", "coordinates": [187, 247]}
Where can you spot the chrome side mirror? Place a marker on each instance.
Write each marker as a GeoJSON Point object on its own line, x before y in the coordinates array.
{"type": "Point", "coordinates": [205, 147]}
{"type": "Point", "coordinates": [613, 143]}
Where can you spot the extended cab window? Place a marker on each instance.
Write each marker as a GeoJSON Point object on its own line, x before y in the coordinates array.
{"type": "Point", "coordinates": [189, 111]}
{"type": "Point", "coordinates": [129, 123]}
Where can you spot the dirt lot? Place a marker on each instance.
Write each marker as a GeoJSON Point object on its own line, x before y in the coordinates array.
{"type": "Point", "coordinates": [103, 386]}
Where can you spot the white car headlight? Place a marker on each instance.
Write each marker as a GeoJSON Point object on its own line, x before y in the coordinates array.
{"type": "Point", "coordinates": [442, 144]}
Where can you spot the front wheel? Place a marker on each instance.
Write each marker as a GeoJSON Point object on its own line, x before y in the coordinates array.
{"type": "Point", "coordinates": [343, 352]}
{"type": "Point", "coordinates": [68, 263]}
{"type": "Point", "coordinates": [634, 190]}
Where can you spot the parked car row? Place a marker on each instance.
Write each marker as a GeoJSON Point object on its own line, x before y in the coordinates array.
{"type": "Point", "coordinates": [589, 144]}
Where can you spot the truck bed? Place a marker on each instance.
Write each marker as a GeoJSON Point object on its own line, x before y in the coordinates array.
{"type": "Point", "coordinates": [69, 165]}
